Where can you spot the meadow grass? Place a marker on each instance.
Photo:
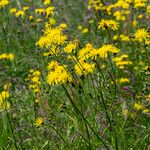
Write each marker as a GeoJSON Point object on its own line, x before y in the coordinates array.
{"type": "Point", "coordinates": [74, 74]}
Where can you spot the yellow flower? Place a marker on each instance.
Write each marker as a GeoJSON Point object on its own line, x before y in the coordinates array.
{"type": "Point", "coordinates": [84, 68]}
{"type": "Point", "coordinates": [47, 2]}
{"type": "Point", "coordinates": [13, 10]}
{"type": "Point", "coordinates": [124, 37]}
{"type": "Point", "coordinates": [25, 8]}
{"type": "Point", "coordinates": [20, 13]}
{"type": "Point", "coordinates": [49, 11]}
{"type": "Point", "coordinates": [70, 47]}
{"type": "Point", "coordinates": [85, 30]}
{"type": "Point", "coordinates": [138, 106]}
{"type": "Point", "coordinates": [58, 74]}
{"type": "Point", "coordinates": [38, 121]}
{"type": "Point", "coordinates": [141, 35]}
{"type": "Point", "coordinates": [108, 24]}
{"type": "Point", "coordinates": [52, 36]}
{"type": "Point", "coordinates": [146, 111]}
{"type": "Point", "coordinates": [3, 3]}
{"type": "Point", "coordinates": [123, 80]}
{"type": "Point", "coordinates": [103, 51]}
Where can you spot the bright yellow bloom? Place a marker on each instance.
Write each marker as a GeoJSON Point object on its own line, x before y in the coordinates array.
{"type": "Point", "coordinates": [141, 35]}
{"type": "Point", "coordinates": [20, 13]}
{"type": "Point", "coordinates": [38, 121]}
{"type": "Point", "coordinates": [85, 30]}
{"type": "Point", "coordinates": [58, 74]}
{"type": "Point", "coordinates": [146, 111]}
{"type": "Point", "coordinates": [138, 106]}
{"type": "Point", "coordinates": [13, 10]}
{"type": "Point", "coordinates": [70, 47]}
{"type": "Point", "coordinates": [52, 36]}
{"type": "Point", "coordinates": [3, 3]}
{"type": "Point", "coordinates": [83, 67]}
{"type": "Point", "coordinates": [103, 51]}
{"type": "Point", "coordinates": [123, 80]}
{"type": "Point", "coordinates": [87, 52]}
{"type": "Point", "coordinates": [49, 11]}
{"type": "Point", "coordinates": [47, 2]}
{"type": "Point", "coordinates": [108, 24]}
{"type": "Point", "coordinates": [9, 56]}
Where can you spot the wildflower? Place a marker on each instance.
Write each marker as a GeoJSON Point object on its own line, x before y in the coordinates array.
{"type": "Point", "coordinates": [103, 51]}
{"type": "Point", "coordinates": [85, 30]}
{"type": "Point", "coordinates": [13, 10]}
{"type": "Point", "coordinates": [49, 11]}
{"type": "Point", "coordinates": [108, 24]}
{"type": "Point", "coordinates": [87, 52]}
{"type": "Point", "coordinates": [138, 106]}
{"type": "Point", "coordinates": [80, 27]}
{"type": "Point", "coordinates": [25, 8]}
{"type": "Point", "coordinates": [39, 11]}
{"type": "Point", "coordinates": [9, 56]}
{"type": "Point", "coordinates": [58, 74]}
{"type": "Point", "coordinates": [70, 47]}
{"type": "Point", "coordinates": [47, 2]}
{"type": "Point", "coordinates": [124, 37]}
{"type": "Point", "coordinates": [141, 35]}
{"type": "Point", "coordinates": [38, 121]}
{"type": "Point", "coordinates": [123, 80]}
{"type": "Point", "coordinates": [34, 77]}
{"type": "Point", "coordinates": [3, 3]}
{"type": "Point", "coordinates": [146, 111]}
{"type": "Point", "coordinates": [51, 36]}
{"type": "Point", "coordinates": [20, 13]}
{"type": "Point", "coordinates": [83, 67]}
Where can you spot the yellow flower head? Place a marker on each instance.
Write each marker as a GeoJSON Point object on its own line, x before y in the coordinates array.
{"type": "Point", "coordinates": [38, 121]}
{"type": "Point", "coordinates": [141, 35]}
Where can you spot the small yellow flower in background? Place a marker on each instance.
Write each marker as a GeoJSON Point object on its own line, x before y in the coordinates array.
{"type": "Point", "coordinates": [30, 18]}
{"type": "Point", "coordinates": [124, 37]}
{"type": "Point", "coordinates": [13, 10]}
{"type": "Point", "coordinates": [9, 56]}
{"type": "Point", "coordinates": [20, 13]}
{"type": "Point", "coordinates": [115, 37]}
{"type": "Point", "coordinates": [108, 24]}
{"type": "Point", "coordinates": [123, 80]}
{"type": "Point", "coordinates": [47, 2]}
{"type": "Point", "coordinates": [38, 121]}
{"type": "Point", "coordinates": [39, 11]}
{"type": "Point", "coordinates": [103, 51]}
{"type": "Point", "coordinates": [63, 26]}
{"type": "Point", "coordinates": [25, 8]}
{"type": "Point", "coordinates": [134, 23]}
{"type": "Point", "coordinates": [85, 30]}
{"type": "Point", "coordinates": [80, 27]}
{"type": "Point", "coordinates": [52, 21]}
{"type": "Point", "coordinates": [140, 16]}
{"type": "Point", "coordinates": [49, 11]}
{"type": "Point", "coordinates": [146, 111]}
{"type": "Point", "coordinates": [138, 106]}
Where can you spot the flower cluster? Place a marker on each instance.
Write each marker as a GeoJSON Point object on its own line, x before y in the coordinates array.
{"type": "Point", "coordinates": [108, 24]}
{"type": "Point", "coordinates": [121, 61]}
{"type": "Point", "coordinates": [5, 56]}
{"type": "Point", "coordinates": [58, 74]}
{"type": "Point", "coordinates": [4, 95]}
{"type": "Point", "coordinates": [3, 3]}
{"type": "Point", "coordinates": [34, 77]}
